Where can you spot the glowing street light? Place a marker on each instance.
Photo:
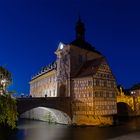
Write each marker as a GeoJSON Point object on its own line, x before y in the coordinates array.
{"type": "Point", "coordinates": [3, 84]}
{"type": "Point", "coordinates": [5, 80]}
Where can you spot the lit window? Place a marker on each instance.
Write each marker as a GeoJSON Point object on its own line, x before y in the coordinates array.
{"type": "Point", "coordinates": [89, 83]}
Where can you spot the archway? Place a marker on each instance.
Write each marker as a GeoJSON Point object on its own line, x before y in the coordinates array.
{"type": "Point", "coordinates": [47, 114]}
{"type": "Point", "coordinates": [123, 109]}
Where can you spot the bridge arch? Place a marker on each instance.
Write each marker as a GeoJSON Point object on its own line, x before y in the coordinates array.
{"type": "Point", "coordinates": [124, 109]}
{"type": "Point", "coordinates": [56, 103]}
{"type": "Point", "coordinates": [47, 114]}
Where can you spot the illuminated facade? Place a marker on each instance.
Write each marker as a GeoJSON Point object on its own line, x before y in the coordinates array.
{"type": "Point", "coordinates": [131, 101]}
{"type": "Point", "coordinates": [94, 93]}
{"type": "Point", "coordinates": [82, 73]}
{"type": "Point", "coordinates": [135, 90]}
{"type": "Point", "coordinates": [44, 83]}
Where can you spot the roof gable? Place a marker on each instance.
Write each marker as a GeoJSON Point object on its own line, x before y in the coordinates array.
{"type": "Point", "coordinates": [90, 67]}
{"type": "Point", "coordinates": [84, 45]}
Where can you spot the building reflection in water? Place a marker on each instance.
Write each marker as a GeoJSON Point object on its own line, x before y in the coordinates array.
{"type": "Point", "coordinates": [37, 130]}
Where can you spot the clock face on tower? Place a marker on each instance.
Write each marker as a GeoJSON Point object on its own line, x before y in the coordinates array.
{"type": "Point", "coordinates": [61, 46]}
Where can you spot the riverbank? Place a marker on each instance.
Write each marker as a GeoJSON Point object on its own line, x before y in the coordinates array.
{"type": "Point", "coordinates": [6, 132]}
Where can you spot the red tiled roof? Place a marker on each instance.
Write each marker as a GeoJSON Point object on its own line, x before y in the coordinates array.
{"type": "Point", "coordinates": [84, 45]}
{"type": "Point", "coordinates": [90, 67]}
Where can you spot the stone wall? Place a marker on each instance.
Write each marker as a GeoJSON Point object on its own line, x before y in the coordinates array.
{"type": "Point", "coordinates": [92, 120]}
{"type": "Point", "coordinates": [47, 114]}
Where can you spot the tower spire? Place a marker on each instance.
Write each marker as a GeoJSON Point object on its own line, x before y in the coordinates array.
{"type": "Point", "coordinates": [80, 29]}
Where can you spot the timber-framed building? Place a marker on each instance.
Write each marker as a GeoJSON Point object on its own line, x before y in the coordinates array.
{"type": "Point", "coordinates": [83, 74]}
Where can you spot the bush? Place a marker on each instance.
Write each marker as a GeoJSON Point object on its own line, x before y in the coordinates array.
{"type": "Point", "coordinates": [8, 111]}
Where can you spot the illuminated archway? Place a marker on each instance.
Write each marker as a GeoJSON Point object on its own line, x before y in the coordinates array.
{"type": "Point", "coordinates": [47, 114]}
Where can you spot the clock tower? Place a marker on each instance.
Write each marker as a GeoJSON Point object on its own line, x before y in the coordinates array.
{"type": "Point", "coordinates": [63, 70]}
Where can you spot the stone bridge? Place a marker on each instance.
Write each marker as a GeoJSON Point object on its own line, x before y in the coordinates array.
{"type": "Point", "coordinates": [56, 108]}
{"type": "Point", "coordinates": [128, 105]}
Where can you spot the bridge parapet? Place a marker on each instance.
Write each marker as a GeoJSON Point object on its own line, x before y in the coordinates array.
{"type": "Point", "coordinates": [133, 102]}
{"type": "Point", "coordinates": [59, 103]}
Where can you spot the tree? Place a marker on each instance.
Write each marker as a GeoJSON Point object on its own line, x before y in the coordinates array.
{"type": "Point", "coordinates": [5, 79]}
{"type": "Point", "coordinates": [8, 109]}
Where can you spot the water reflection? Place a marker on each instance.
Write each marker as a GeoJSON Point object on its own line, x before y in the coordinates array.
{"type": "Point", "coordinates": [37, 130]}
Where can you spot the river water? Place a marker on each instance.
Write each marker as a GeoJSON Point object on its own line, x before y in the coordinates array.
{"type": "Point", "coordinates": [38, 130]}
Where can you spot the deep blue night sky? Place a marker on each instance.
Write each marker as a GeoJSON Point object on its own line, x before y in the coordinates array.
{"type": "Point", "coordinates": [30, 31]}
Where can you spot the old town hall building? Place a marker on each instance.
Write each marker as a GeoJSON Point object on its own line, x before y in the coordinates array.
{"type": "Point", "coordinates": [83, 74]}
